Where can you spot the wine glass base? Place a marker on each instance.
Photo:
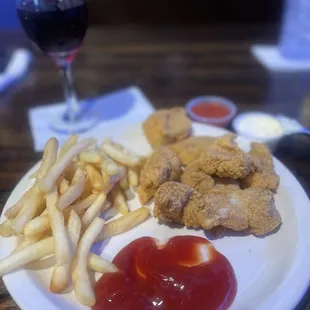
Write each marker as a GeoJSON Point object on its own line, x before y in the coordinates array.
{"type": "Point", "coordinates": [60, 125]}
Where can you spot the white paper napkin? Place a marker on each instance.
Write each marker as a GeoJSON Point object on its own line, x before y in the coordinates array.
{"type": "Point", "coordinates": [270, 57]}
{"type": "Point", "coordinates": [115, 110]}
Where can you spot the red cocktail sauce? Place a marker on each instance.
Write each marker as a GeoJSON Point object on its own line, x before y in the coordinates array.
{"type": "Point", "coordinates": [174, 276]}
{"type": "Point", "coordinates": [211, 109]}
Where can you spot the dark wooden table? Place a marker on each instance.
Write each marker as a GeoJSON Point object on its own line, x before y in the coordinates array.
{"type": "Point", "coordinates": [170, 65]}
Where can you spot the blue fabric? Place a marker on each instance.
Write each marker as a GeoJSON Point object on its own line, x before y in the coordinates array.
{"type": "Point", "coordinates": [8, 17]}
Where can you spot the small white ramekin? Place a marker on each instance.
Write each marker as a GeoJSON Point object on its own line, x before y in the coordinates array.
{"type": "Point", "coordinates": [217, 121]}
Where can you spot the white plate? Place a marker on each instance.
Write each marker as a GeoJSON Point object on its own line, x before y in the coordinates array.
{"type": "Point", "coordinates": [272, 272]}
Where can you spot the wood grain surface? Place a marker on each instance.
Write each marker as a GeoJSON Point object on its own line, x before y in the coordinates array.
{"type": "Point", "coordinates": [170, 65]}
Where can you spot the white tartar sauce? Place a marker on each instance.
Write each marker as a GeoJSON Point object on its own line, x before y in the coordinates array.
{"type": "Point", "coordinates": [258, 125]}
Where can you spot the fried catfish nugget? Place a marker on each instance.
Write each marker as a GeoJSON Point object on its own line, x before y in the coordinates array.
{"type": "Point", "coordinates": [263, 175]}
{"type": "Point", "coordinates": [191, 148]}
{"type": "Point", "coordinates": [178, 203]}
{"type": "Point", "coordinates": [194, 177]}
{"type": "Point", "coordinates": [225, 159]}
{"type": "Point", "coordinates": [162, 166]}
{"type": "Point", "coordinates": [167, 126]}
{"type": "Point", "coordinates": [252, 210]}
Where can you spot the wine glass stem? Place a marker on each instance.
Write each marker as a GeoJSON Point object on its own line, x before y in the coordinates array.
{"type": "Point", "coordinates": [73, 109]}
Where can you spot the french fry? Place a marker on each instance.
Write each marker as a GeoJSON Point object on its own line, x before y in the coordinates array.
{"type": "Point", "coordinates": [124, 184]}
{"type": "Point", "coordinates": [80, 277]}
{"type": "Point", "coordinates": [74, 191]}
{"type": "Point", "coordinates": [5, 228]}
{"type": "Point", "coordinates": [88, 188]}
{"type": "Point", "coordinates": [133, 178]}
{"type": "Point", "coordinates": [28, 241]}
{"type": "Point", "coordinates": [15, 209]}
{"type": "Point", "coordinates": [103, 182]}
{"type": "Point", "coordinates": [44, 212]}
{"type": "Point", "coordinates": [63, 252]}
{"type": "Point", "coordinates": [44, 248]}
{"type": "Point", "coordinates": [48, 181]}
{"type": "Point", "coordinates": [108, 165]}
{"type": "Point", "coordinates": [63, 184]}
{"type": "Point", "coordinates": [82, 205]}
{"type": "Point", "coordinates": [74, 229]}
{"type": "Point", "coordinates": [81, 164]}
{"type": "Point", "coordinates": [37, 226]}
{"type": "Point", "coordinates": [120, 154]}
{"type": "Point", "coordinates": [107, 181]}
{"type": "Point", "coordinates": [94, 210]}
{"type": "Point", "coordinates": [111, 180]}
{"type": "Point", "coordinates": [99, 264]}
{"type": "Point", "coordinates": [106, 206]}
{"type": "Point", "coordinates": [95, 177]}
{"type": "Point", "coordinates": [33, 252]}
{"type": "Point", "coordinates": [118, 200]}
{"type": "Point", "coordinates": [29, 210]}
{"type": "Point", "coordinates": [90, 157]}
{"type": "Point", "coordinates": [124, 223]}
{"type": "Point", "coordinates": [41, 224]}
{"type": "Point", "coordinates": [72, 141]}
{"type": "Point", "coordinates": [70, 170]}
{"type": "Point", "coordinates": [95, 262]}
{"type": "Point", "coordinates": [48, 159]}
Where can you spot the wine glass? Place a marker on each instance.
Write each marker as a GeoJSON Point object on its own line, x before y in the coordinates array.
{"type": "Point", "coordinates": [58, 28]}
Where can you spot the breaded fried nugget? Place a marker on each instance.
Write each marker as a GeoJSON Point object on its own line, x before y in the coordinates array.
{"type": "Point", "coordinates": [162, 166]}
{"type": "Point", "coordinates": [252, 210]}
{"type": "Point", "coordinates": [167, 126]}
{"type": "Point", "coordinates": [191, 148]}
{"type": "Point", "coordinates": [225, 159]}
{"type": "Point", "coordinates": [263, 174]}
{"type": "Point", "coordinates": [178, 203]}
{"type": "Point", "coordinates": [170, 200]}
{"type": "Point", "coordinates": [194, 177]}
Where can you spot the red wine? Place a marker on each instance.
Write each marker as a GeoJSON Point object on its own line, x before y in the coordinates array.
{"type": "Point", "coordinates": [55, 31]}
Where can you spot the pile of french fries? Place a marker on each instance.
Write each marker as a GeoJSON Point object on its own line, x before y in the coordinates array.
{"type": "Point", "coordinates": [61, 214]}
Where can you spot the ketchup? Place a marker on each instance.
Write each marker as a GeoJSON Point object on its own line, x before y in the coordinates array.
{"type": "Point", "coordinates": [174, 276]}
{"type": "Point", "coordinates": [211, 109]}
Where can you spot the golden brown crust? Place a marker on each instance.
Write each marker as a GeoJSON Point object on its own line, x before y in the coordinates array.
{"type": "Point", "coordinates": [261, 156]}
{"type": "Point", "coordinates": [197, 179]}
{"type": "Point", "coordinates": [167, 126]}
{"type": "Point", "coordinates": [263, 174]}
{"type": "Point", "coordinates": [225, 159]}
{"type": "Point", "coordinates": [266, 180]}
{"type": "Point", "coordinates": [191, 149]}
{"type": "Point", "coordinates": [262, 213]}
{"type": "Point", "coordinates": [252, 210]}
{"type": "Point", "coordinates": [192, 210]}
{"type": "Point", "coordinates": [170, 200]}
{"type": "Point", "coordinates": [162, 166]}
{"type": "Point", "coordinates": [223, 209]}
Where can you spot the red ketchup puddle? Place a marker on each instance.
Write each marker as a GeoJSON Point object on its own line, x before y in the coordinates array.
{"type": "Point", "coordinates": [211, 109]}
{"type": "Point", "coordinates": [171, 277]}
